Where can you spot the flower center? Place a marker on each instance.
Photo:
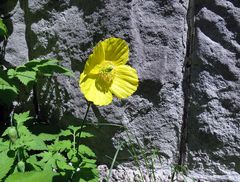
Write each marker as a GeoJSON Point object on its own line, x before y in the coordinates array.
{"type": "Point", "coordinates": [105, 77]}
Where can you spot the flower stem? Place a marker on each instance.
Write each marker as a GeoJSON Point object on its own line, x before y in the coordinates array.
{"type": "Point", "coordinates": [84, 119]}
{"type": "Point", "coordinates": [82, 124]}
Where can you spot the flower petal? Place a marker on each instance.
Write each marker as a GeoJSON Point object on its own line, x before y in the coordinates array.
{"type": "Point", "coordinates": [116, 50]}
{"type": "Point", "coordinates": [125, 81]}
{"type": "Point", "coordinates": [88, 87]}
{"type": "Point", "coordinates": [95, 59]}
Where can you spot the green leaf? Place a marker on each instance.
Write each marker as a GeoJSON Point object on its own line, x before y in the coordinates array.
{"type": "Point", "coordinates": [11, 73]}
{"type": "Point", "coordinates": [22, 117]}
{"type": "Point", "coordinates": [48, 67]}
{"type": "Point", "coordinates": [86, 174]}
{"type": "Point", "coordinates": [34, 64]}
{"type": "Point", "coordinates": [70, 154]}
{"type": "Point", "coordinates": [62, 145]}
{"type": "Point", "coordinates": [25, 76]}
{"type": "Point", "coordinates": [88, 163]}
{"type": "Point", "coordinates": [5, 85]}
{"type": "Point", "coordinates": [6, 163]}
{"type": "Point", "coordinates": [48, 70]}
{"type": "Point", "coordinates": [32, 160]}
{"type": "Point", "coordinates": [4, 145]}
{"type": "Point", "coordinates": [86, 134]}
{"type": "Point", "coordinates": [36, 144]}
{"type": "Point", "coordinates": [86, 151]}
{"type": "Point", "coordinates": [64, 166]}
{"type": "Point", "coordinates": [47, 137]}
{"type": "Point", "coordinates": [36, 176]}
{"type": "Point", "coordinates": [48, 160]}
{"type": "Point", "coordinates": [3, 29]}
{"type": "Point", "coordinates": [65, 133]}
{"type": "Point", "coordinates": [74, 128]}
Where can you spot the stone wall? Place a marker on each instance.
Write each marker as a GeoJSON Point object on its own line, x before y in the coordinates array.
{"type": "Point", "coordinates": [187, 55]}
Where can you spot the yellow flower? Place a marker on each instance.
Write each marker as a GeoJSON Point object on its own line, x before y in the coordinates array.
{"type": "Point", "coordinates": [105, 73]}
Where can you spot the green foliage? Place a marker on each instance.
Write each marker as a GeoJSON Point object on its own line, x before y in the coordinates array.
{"type": "Point", "coordinates": [3, 29]}
{"type": "Point", "coordinates": [21, 118]}
{"type": "Point", "coordinates": [46, 152]}
{"type": "Point", "coordinates": [7, 87]}
{"type": "Point", "coordinates": [36, 176]}
{"type": "Point", "coordinates": [27, 157]}
{"type": "Point", "coordinates": [6, 163]}
{"type": "Point", "coordinates": [180, 171]}
{"type": "Point", "coordinates": [29, 72]}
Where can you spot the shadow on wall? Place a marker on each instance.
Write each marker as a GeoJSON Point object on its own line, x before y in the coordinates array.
{"type": "Point", "coordinates": [149, 89]}
{"type": "Point", "coordinates": [6, 8]}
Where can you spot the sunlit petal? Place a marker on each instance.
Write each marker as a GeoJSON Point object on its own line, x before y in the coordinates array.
{"type": "Point", "coordinates": [125, 81]}
{"type": "Point", "coordinates": [116, 50]}
{"type": "Point", "coordinates": [89, 88]}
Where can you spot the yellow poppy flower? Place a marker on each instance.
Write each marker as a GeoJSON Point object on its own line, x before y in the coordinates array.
{"type": "Point", "coordinates": [105, 73]}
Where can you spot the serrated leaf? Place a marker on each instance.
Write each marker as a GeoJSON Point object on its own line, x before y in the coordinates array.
{"type": "Point", "coordinates": [7, 88]}
{"type": "Point", "coordinates": [4, 145]}
{"type": "Point", "coordinates": [88, 163]}
{"type": "Point", "coordinates": [64, 166]}
{"type": "Point", "coordinates": [47, 137]}
{"type": "Point", "coordinates": [48, 70]}
{"type": "Point", "coordinates": [25, 76]}
{"type": "Point", "coordinates": [86, 151]}
{"type": "Point", "coordinates": [32, 160]}
{"type": "Point", "coordinates": [36, 176]}
{"type": "Point", "coordinates": [24, 132]}
{"type": "Point", "coordinates": [5, 85]}
{"type": "Point", "coordinates": [65, 133]}
{"type": "Point", "coordinates": [46, 161]}
{"type": "Point", "coordinates": [62, 145]}
{"type": "Point", "coordinates": [86, 134]}
{"type": "Point", "coordinates": [22, 117]}
{"type": "Point", "coordinates": [36, 144]}
{"type": "Point", "coordinates": [74, 128]}
{"type": "Point", "coordinates": [3, 29]}
{"type": "Point", "coordinates": [49, 160]}
{"type": "Point", "coordinates": [6, 163]}
{"type": "Point", "coordinates": [34, 64]}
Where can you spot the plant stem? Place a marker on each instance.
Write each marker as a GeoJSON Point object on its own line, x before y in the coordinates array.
{"type": "Point", "coordinates": [114, 159]}
{"type": "Point", "coordinates": [35, 101]}
{"type": "Point", "coordinates": [82, 124]}
{"type": "Point", "coordinates": [84, 119]}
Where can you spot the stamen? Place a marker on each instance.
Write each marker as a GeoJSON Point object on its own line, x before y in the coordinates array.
{"type": "Point", "coordinates": [105, 77]}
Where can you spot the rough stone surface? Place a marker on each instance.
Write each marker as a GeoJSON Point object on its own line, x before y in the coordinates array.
{"type": "Point", "coordinates": [156, 31]}
{"type": "Point", "coordinates": [214, 132]}
{"type": "Point", "coordinates": [16, 50]}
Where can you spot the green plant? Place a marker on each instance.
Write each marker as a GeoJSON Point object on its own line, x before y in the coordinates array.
{"type": "Point", "coordinates": [21, 151]}
{"type": "Point", "coordinates": [143, 158]}
{"type": "Point", "coordinates": [177, 170]}
{"type": "Point", "coordinates": [3, 29]}
{"type": "Point", "coordinates": [25, 156]}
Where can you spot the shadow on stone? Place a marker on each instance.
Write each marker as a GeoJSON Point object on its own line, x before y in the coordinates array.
{"type": "Point", "coordinates": [149, 89]}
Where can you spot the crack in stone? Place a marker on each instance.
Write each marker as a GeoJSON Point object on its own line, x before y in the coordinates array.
{"type": "Point", "coordinates": [186, 84]}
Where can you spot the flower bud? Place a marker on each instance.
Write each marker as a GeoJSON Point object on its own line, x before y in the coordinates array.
{"type": "Point", "coordinates": [21, 166]}
{"type": "Point", "coordinates": [12, 133]}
